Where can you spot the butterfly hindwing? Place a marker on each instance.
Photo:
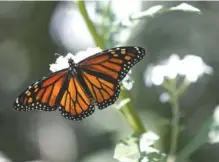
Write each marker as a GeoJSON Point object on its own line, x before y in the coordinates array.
{"type": "Point", "coordinates": [104, 90]}
{"type": "Point", "coordinates": [75, 103]}
{"type": "Point", "coordinates": [42, 94]}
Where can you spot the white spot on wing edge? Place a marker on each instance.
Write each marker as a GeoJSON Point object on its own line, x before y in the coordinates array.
{"type": "Point", "coordinates": [36, 83]}
{"type": "Point", "coordinates": [137, 49]}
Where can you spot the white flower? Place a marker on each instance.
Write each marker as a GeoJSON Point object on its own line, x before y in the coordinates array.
{"type": "Point", "coordinates": [155, 74]}
{"type": "Point", "coordinates": [191, 67]}
{"type": "Point", "coordinates": [84, 54]}
{"type": "Point", "coordinates": [151, 78]}
{"type": "Point", "coordinates": [62, 61]}
{"type": "Point", "coordinates": [164, 97]}
{"type": "Point", "coordinates": [145, 159]}
{"type": "Point", "coordinates": [185, 7]}
{"type": "Point", "coordinates": [148, 139]}
{"type": "Point", "coordinates": [145, 146]}
{"type": "Point", "coordinates": [128, 81]}
{"type": "Point", "coordinates": [127, 8]}
{"type": "Point", "coordinates": [213, 137]}
{"type": "Point", "coordinates": [127, 151]}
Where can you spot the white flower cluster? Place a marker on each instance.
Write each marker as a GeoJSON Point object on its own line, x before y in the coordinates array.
{"type": "Point", "coordinates": [128, 82]}
{"type": "Point", "coordinates": [129, 151]}
{"type": "Point", "coordinates": [191, 67]}
{"type": "Point", "coordinates": [62, 61]}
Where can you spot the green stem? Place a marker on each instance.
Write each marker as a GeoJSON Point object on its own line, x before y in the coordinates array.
{"type": "Point", "coordinates": [183, 87]}
{"type": "Point", "coordinates": [132, 117]}
{"type": "Point", "coordinates": [175, 125]}
{"type": "Point", "coordinates": [106, 13]}
{"type": "Point", "coordinates": [133, 120]}
{"type": "Point", "coordinates": [129, 112]}
{"type": "Point", "coordinates": [90, 25]}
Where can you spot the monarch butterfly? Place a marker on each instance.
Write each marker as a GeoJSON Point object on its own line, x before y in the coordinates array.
{"type": "Point", "coordinates": [77, 89]}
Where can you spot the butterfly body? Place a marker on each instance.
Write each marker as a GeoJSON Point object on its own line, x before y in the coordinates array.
{"type": "Point", "coordinates": [76, 90]}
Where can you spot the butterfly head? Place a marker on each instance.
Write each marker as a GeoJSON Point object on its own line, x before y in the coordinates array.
{"type": "Point", "coordinates": [71, 63]}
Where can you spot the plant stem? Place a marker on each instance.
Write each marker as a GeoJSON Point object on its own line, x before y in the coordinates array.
{"type": "Point", "coordinates": [129, 112]}
{"type": "Point", "coordinates": [175, 125]}
{"type": "Point", "coordinates": [132, 117]}
{"type": "Point", "coordinates": [133, 120]}
{"type": "Point", "coordinates": [183, 87]}
{"type": "Point", "coordinates": [99, 42]}
{"type": "Point", "coordinates": [106, 14]}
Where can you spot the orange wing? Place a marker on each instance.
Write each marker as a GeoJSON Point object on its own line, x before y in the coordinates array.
{"type": "Point", "coordinates": [59, 90]}
{"type": "Point", "coordinates": [42, 94]}
{"type": "Point", "coordinates": [75, 104]}
{"type": "Point", "coordinates": [100, 74]}
{"type": "Point", "coordinates": [103, 71]}
{"type": "Point", "coordinates": [104, 92]}
{"type": "Point", "coordinates": [115, 62]}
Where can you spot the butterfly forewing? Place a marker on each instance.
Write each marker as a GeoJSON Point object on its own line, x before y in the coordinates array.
{"type": "Point", "coordinates": [115, 62]}
{"type": "Point", "coordinates": [103, 71]}
{"type": "Point", "coordinates": [42, 94]}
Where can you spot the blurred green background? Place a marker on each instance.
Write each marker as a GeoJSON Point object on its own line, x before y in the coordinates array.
{"type": "Point", "coordinates": [32, 32]}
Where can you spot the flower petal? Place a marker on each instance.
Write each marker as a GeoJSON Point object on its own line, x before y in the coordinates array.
{"type": "Point", "coordinates": [62, 61]}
